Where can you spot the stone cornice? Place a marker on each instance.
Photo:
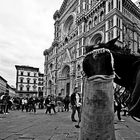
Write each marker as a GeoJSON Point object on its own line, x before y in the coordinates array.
{"type": "Point", "coordinates": [63, 6]}
{"type": "Point", "coordinates": [112, 13]}
{"type": "Point", "coordinates": [132, 7]}
{"type": "Point", "coordinates": [19, 67]}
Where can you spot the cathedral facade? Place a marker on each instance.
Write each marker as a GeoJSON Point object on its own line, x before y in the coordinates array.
{"type": "Point", "coordinates": [79, 23]}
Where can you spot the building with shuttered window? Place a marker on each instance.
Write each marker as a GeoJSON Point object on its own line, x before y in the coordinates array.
{"type": "Point", "coordinates": [28, 81]}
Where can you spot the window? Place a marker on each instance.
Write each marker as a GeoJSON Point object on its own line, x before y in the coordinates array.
{"type": "Point", "coordinates": [87, 6]}
{"type": "Point", "coordinates": [39, 89]}
{"type": "Point", "coordinates": [28, 88]}
{"type": "Point", "coordinates": [21, 80]}
{"type": "Point", "coordinates": [80, 29]}
{"type": "Point", "coordinates": [110, 35]}
{"type": "Point", "coordinates": [118, 5]}
{"type": "Point", "coordinates": [80, 42]}
{"type": "Point", "coordinates": [34, 81]}
{"type": "Point", "coordinates": [91, 3]}
{"type": "Point", "coordinates": [78, 67]}
{"type": "Point", "coordinates": [21, 73]}
{"type": "Point", "coordinates": [110, 23]}
{"type": "Point", "coordinates": [34, 74]}
{"type": "Point", "coordinates": [28, 81]}
{"type": "Point", "coordinates": [21, 88]}
{"type": "Point", "coordinates": [68, 25]}
{"type": "Point", "coordinates": [95, 20]}
{"type": "Point", "coordinates": [90, 24]}
{"type": "Point", "coordinates": [80, 51]}
{"type": "Point", "coordinates": [68, 75]}
{"type": "Point", "coordinates": [118, 22]}
{"type": "Point", "coordinates": [110, 5]}
{"type": "Point", "coordinates": [34, 87]}
{"type": "Point", "coordinates": [102, 16]}
{"type": "Point", "coordinates": [118, 33]}
{"type": "Point", "coordinates": [28, 73]}
{"type": "Point", "coordinates": [51, 66]}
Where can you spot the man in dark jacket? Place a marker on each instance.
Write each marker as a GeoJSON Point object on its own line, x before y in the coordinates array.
{"type": "Point", "coordinates": [6, 99]}
{"type": "Point", "coordinates": [76, 105]}
{"type": "Point", "coordinates": [48, 104]}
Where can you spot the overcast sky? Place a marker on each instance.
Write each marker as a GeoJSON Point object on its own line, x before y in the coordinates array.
{"type": "Point", "coordinates": [26, 30]}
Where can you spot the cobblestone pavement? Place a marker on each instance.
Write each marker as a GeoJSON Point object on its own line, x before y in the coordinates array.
{"type": "Point", "coordinates": [19, 125]}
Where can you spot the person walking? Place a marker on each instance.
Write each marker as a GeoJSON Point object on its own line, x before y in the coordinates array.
{"type": "Point", "coordinates": [32, 104]}
{"type": "Point", "coordinates": [118, 107]}
{"type": "Point", "coordinates": [60, 104]}
{"type": "Point", "coordinates": [1, 106]}
{"type": "Point", "coordinates": [48, 104]}
{"type": "Point", "coordinates": [6, 99]}
{"type": "Point", "coordinates": [22, 104]}
{"type": "Point", "coordinates": [66, 103]}
{"type": "Point", "coordinates": [41, 100]}
{"type": "Point", "coordinates": [76, 103]}
{"type": "Point", "coordinates": [53, 103]}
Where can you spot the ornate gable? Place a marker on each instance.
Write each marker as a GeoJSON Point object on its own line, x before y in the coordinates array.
{"type": "Point", "coordinates": [59, 12]}
{"type": "Point", "coordinates": [64, 6]}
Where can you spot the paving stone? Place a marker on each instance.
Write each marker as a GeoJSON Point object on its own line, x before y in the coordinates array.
{"type": "Point", "coordinates": [132, 138]}
{"type": "Point", "coordinates": [55, 127]}
{"type": "Point", "coordinates": [118, 136]}
{"type": "Point", "coordinates": [4, 135]}
{"type": "Point", "coordinates": [43, 137]}
{"type": "Point", "coordinates": [13, 137]}
{"type": "Point", "coordinates": [26, 137]}
{"type": "Point", "coordinates": [59, 137]}
{"type": "Point", "coordinates": [72, 137]}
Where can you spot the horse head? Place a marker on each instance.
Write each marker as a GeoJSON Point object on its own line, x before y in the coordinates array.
{"type": "Point", "coordinates": [98, 59]}
{"type": "Point", "coordinates": [105, 58]}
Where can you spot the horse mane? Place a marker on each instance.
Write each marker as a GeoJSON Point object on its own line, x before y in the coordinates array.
{"type": "Point", "coordinates": [113, 48]}
{"type": "Point", "coordinates": [117, 49]}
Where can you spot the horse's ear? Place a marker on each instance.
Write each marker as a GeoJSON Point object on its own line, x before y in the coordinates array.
{"type": "Point", "coordinates": [88, 48]}
{"type": "Point", "coordinates": [112, 42]}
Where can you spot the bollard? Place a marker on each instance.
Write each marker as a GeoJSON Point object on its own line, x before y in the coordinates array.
{"type": "Point", "coordinates": [98, 110]}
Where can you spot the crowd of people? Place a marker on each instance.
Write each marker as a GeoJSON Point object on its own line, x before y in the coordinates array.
{"type": "Point", "coordinates": [30, 104]}
{"type": "Point", "coordinates": [54, 103]}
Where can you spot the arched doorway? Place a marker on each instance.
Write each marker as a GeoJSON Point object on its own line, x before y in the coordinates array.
{"type": "Point", "coordinates": [66, 81]}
